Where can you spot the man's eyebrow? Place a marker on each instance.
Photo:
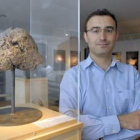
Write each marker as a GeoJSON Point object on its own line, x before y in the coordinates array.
{"type": "Point", "coordinates": [94, 27]}
{"type": "Point", "coordinates": [97, 27]}
{"type": "Point", "coordinates": [109, 27]}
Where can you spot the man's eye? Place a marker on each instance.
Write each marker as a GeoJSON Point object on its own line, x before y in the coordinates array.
{"type": "Point", "coordinates": [95, 31]}
{"type": "Point", "coordinates": [14, 43]}
{"type": "Point", "coordinates": [109, 30]}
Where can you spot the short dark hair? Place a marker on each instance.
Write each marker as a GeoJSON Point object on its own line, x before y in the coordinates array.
{"type": "Point", "coordinates": [99, 12]}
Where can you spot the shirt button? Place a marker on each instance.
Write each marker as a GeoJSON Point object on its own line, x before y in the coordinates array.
{"type": "Point", "coordinates": [109, 108]}
{"type": "Point", "coordinates": [113, 131]}
{"type": "Point", "coordinates": [107, 90]}
{"type": "Point", "coordinates": [112, 70]}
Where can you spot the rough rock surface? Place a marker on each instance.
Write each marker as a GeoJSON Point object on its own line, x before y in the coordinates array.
{"type": "Point", "coordinates": [18, 49]}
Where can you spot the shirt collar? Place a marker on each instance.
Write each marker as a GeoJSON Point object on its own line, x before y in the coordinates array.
{"type": "Point", "coordinates": [119, 66]}
{"type": "Point", "coordinates": [114, 63]}
{"type": "Point", "coordinates": [88, 62]}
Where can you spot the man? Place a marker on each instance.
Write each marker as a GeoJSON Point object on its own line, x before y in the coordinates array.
{"type": "Point", "coordinates": [109, 90]}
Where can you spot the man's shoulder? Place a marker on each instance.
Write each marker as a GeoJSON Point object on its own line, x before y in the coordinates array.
{"type": "Point", "coordinates": [76, 68]}
{"type": "Point", "coordinates": [123, 66]}
{"type": "Point", "coordinates": [73, 70]}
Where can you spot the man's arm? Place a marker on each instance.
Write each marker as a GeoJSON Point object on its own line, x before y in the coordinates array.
{"type": "Point", "coordinates": [94, 127]}
{"type": "Point", "coordinates": [130, 121]}
{"type": "Point", "coordinates": [130, 127]}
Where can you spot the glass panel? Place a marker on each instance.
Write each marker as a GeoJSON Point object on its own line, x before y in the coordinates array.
{"type": "Point", "coordinates": [54, 26]}
{"type": "Point", "coordinates": [10, 17]}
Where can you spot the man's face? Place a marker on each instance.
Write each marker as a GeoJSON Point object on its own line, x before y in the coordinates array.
{"type": "Point", "coordinates": [101, 35]}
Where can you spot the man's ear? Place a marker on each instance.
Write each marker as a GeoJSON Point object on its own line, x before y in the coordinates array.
{"type": "Point", "coordinates": [85, 36]}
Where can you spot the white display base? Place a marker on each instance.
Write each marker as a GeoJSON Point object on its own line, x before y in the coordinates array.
{"type": "Point", "coordinates": [68, 129]}
{"type": "Point", "coordinates": [31, 90]}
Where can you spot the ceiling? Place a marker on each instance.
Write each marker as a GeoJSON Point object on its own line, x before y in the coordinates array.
{"type": "Point", "coordinates": [62, 14]}
{"type": "Point", "coordinates": [14, 13]}
{"type": "Point", "coordinates": [127, 12]}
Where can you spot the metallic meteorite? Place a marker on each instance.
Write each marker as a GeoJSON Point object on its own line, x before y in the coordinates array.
{"type": "Point", "coordinates": [18, 49]}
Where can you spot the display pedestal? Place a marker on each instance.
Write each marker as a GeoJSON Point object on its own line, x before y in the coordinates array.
{"type": "Point", "coordinates": [69, 130]}
{"type": "Point", "coordinates": [33, 90]}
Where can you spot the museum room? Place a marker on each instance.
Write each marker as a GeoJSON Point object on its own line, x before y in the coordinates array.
{"type": "Point", "coordinates": [50, 53]}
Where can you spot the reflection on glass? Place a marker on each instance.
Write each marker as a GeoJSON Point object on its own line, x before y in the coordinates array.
{"type": "Point", "coordinates": [59, 60]}
{"type": "Point", "coordinates": [54, 28]}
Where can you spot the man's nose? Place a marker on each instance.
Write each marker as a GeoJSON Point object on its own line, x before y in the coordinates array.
{"type": "Point", "coordinates": [102, 35]}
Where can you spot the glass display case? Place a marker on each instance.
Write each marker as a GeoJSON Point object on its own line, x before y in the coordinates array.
{"type": "Point", "coordinates": [53, 25]}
